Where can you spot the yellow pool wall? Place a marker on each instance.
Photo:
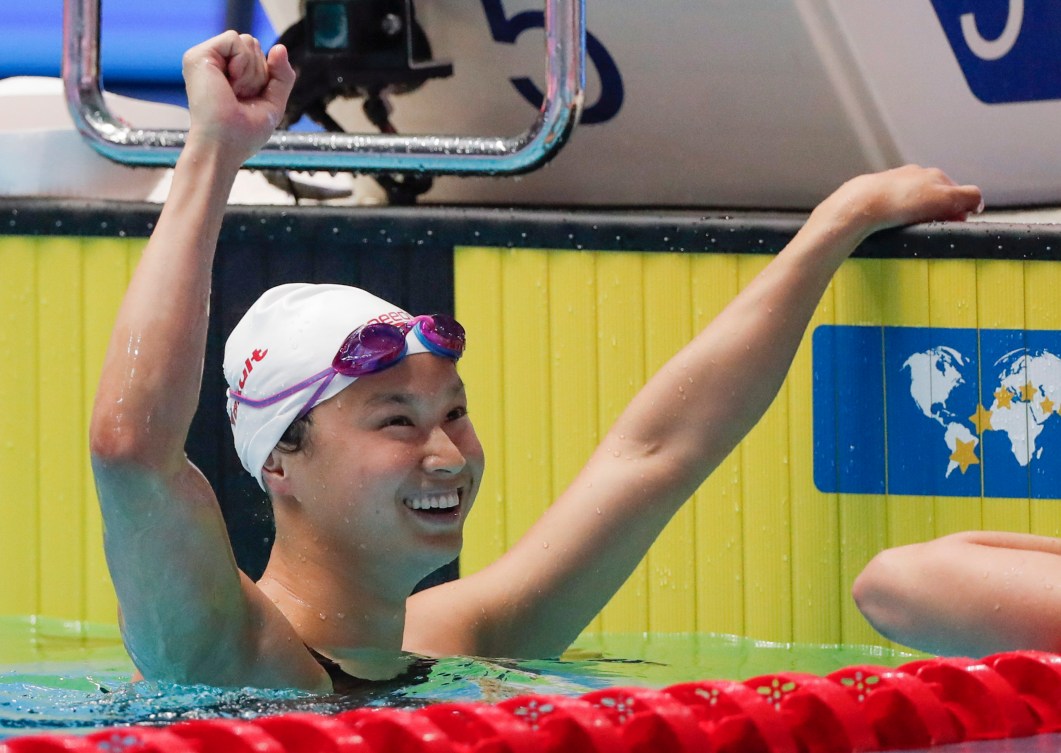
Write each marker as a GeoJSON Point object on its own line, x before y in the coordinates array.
{"type": "Point", "coordinates": [560, 340]}
{"type": "Point", "coordinates": [563, 339]}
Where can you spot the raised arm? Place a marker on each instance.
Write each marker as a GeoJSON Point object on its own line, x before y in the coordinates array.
{"type": "Point", "coordinates": [149, 389]}
{"type": "Point", "coordinates": [535, 600]}
{"type": "Point", "coordinates": [187, 613]}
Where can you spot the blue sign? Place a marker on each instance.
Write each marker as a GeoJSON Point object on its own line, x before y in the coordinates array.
{"type": "Point", "coordinates": [141, 42]}
{"type": "Point", "coordinates": [937, 412]}
{"type": "Point", "coordinates": [1008, 50]}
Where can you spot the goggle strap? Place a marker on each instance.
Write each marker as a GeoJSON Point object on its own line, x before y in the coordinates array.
{"type": "Point", "coordinates": [312, 402]}
{"type": "Point", "coordinates": [239, 397]}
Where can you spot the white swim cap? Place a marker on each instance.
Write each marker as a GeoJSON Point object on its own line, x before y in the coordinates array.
{"type": "Point", "coordinates": [290, 334]}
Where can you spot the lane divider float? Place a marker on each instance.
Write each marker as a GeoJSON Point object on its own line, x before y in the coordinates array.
{"type": "Point", "coordinates": [859, 708]}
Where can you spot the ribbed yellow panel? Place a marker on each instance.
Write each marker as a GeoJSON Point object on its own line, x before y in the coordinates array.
{"type": "Point", "coordinates": [621, 360]}
{"type": "Point", "coordinates": [61, 413]}
{"type": "Point", "coordinates": [477, 287]}
{"type": "Point", "coordinates": [19, 428]}
{"type": "Point", "coordinates": [1042, 280]}
{"type": "Point", "coordinates": [573, 338]}
{"type": "Point", "coordinates": [106, 274]}
{"type": "Point", "coordinates": [996, 311]}
{"type": "Point", "coordinates": [863, 517]}
{"type": "Point", "coordinates": [718, 504]}
{"type": "Point", "coordinates": [765, 460]}
{"type": "Point", "coordinates": [815, 533]}
{"type": "Point", "coordinates": [58, 298]}
{"type": "Point", "coordinates": [528, 481]}
{"type": "Point", "coordinates": [905, 304]}
{"type": "Point", "coordinates": [1042, 307]}
{"type": "Point", "coordinates": [668, 327]}
{"type": "Point", "coordinates": [952, 303]}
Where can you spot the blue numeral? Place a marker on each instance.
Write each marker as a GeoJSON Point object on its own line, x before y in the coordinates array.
{"type": "Point", "coordinates": [506, 30]}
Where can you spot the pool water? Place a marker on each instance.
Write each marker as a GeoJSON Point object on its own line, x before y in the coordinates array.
{"type": "Point", "coordinates": [71, 676]}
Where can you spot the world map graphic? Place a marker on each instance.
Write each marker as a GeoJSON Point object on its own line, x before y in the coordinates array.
{"type": "Point", "coordinates": [1026, 394]}
{"type": "Point", "coordinates": [938, 411]}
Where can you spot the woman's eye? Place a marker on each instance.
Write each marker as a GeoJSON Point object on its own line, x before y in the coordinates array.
{"type": "Point", "coordinates": [458, 412]}
{"type": "Point", "coordinates": [398, 421]}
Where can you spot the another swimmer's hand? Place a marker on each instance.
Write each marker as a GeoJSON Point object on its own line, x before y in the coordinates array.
{"type": "Point", "coordinates": [902, 196]}
{"type": "Point", "coordinates": [236, 94]}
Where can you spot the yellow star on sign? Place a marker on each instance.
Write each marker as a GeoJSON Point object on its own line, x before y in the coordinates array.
{"type": "Point", "coordinates": [982, 419]}
{"type": "Point", "coordinates": [1003, 396]}
{"type": "Point", "coordinates": [1047, 405]}
{"type": "Point", "coordinates": [1027, 392]}
{"type": "Point", "coordinates": [964, 454]}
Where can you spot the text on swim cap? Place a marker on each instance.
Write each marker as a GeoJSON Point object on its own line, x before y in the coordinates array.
{"type": "Point", "coordinates": [248, 365]}
{"type": "Point", "coordinates": [392, 317]}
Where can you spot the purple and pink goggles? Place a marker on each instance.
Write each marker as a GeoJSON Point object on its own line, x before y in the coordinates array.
{"type": "Point", "coordinates": [372, 348]}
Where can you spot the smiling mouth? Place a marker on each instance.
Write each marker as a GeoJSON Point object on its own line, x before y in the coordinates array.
{"type": "Point", "coordinates": [434, 503]}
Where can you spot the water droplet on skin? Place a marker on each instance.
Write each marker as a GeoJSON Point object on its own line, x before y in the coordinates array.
{"type": "Point", "coordinates": [323, 616]}
{"type": "Point", "coordinates": [341, 615]}
{"type": "Point", "coordinates": [598, 511]}
{"type": "Point", "coordinates": [545, 545]}
{"type": "Point", "coordinates": [997, 607]}
{"type": "Point", "coordinates": [616, 453]}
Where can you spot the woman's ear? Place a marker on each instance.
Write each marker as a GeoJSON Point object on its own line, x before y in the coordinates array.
{"type": "Point", "coordinates": [274, 473]}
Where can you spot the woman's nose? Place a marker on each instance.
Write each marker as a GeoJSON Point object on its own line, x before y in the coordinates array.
{"type": "Point", "coordinates": [441, 454]}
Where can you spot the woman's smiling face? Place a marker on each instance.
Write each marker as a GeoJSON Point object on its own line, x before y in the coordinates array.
{"type": "Point", "coordinates": [391, 468]}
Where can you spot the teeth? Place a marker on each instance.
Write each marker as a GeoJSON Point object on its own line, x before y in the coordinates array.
{"type": "Point", "coordinates": [439, 501]}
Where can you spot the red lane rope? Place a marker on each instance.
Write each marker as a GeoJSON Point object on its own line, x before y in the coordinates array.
{"type": "Point", "coordinates": [858, 708]}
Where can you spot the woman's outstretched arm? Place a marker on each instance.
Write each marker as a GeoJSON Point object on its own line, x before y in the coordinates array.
{"type": "Point", "coordinates": [680, 426]}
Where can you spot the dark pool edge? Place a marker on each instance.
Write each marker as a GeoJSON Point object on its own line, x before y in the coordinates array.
{"type": "Point", "coordinates": [446, 227]}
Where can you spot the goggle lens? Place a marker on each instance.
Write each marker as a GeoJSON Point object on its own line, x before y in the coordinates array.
{"type": "Point", "coordinates": [374, 347]}
{"type": "Point", "coordinates": [441, 334]}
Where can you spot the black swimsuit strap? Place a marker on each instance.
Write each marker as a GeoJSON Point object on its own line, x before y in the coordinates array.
{"type": "Point", "coordinates": [346, 684]}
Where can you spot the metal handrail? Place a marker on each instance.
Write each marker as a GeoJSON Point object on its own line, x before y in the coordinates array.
{"type": "Point", "coordinates": [565, 40]}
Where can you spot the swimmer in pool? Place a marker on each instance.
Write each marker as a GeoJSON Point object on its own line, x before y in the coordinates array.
{"type": "Point", "coordinates": [352, 415]}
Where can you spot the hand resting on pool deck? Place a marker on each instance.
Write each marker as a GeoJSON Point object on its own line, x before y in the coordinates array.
{"type": "Point", "coordinates": [372, 485]}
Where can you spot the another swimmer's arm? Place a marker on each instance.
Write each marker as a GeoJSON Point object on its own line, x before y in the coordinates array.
{"type": "Point", "coordinates": [970, 594]}
{"type": "Point", "coordinates": [685, 421]}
